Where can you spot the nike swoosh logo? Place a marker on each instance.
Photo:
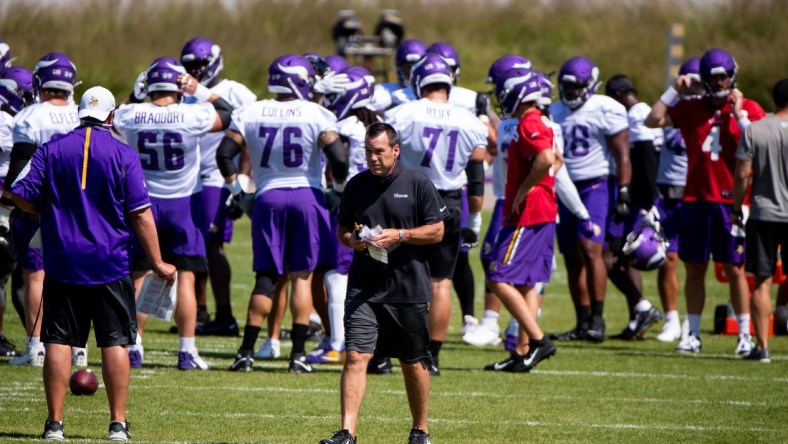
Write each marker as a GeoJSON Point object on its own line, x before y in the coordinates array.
{"type": "Point", "coordinates": [530, 359]}
{"type": "Point", "coordinates": [501, 365]}
{"type": "Point", "coordinates": [441, 210]}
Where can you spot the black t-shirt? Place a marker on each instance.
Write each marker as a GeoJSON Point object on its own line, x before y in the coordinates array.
{"type": "Point", "coordinates": [404, 199]}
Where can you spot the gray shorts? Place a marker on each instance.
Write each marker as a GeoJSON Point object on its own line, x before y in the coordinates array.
{"type": "Point", "coordinates": [397, 330]}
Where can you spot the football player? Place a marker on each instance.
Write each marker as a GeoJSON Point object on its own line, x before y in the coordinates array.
{"type": "Point", "coordinates": [284, 137]}
{"type": "Point", "coordinates": [448, 144]}
{"type": "Point", "coordinates": [53, 82]}
{"type": "Point", "coordinates": [408, 52]}
{"type": "Point", "coordinates": [16, 92]}
{"type": "Point", "coordinates": [595, 134]}
{"type": "Point", "coordinates": [711, 128]}
{"type": "Point", "coordinates": [202, 58]}
{"type": "Point", "coordinates": [166, 132]}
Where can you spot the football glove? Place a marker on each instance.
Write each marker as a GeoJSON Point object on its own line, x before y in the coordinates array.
{"type": "Point", "coordinates": [141, 87]}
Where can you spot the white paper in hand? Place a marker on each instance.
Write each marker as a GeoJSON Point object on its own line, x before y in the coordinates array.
{"type": "Point", "coordinates": [156, 298]}
{"type": "Point", "coordinates": [375, 251]}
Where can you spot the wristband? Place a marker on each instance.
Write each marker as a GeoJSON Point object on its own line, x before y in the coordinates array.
{"type": "Point", "coordinates": [743, 123]}
{"type": "Point", "coordinates": [474, 222]}
{"type": "Point", "coordinates": [669, 97]}
{"type": "Point", "coordinates": [239, 185]}
{"type": "Point", "coordinates": [202, 93]}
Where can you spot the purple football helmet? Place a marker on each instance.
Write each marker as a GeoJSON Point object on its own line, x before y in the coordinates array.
{"type": "Point", "coordinates": [336, 62]}
{"type": "Point", "coordinates": [503, 64]}
{"type": "Point", "coordinates": [54, 71]}
{"type": "Point", "coordinates": [5, 55]}
{"type": "Point", "coordinates": [431, 69]}
{"type": "Point", "coordinates": [582, 73]}
{"type": "Point", "coordinates": [547, 89]}
{"type": "Point", "coordinates": [291, 74]}
{"type": "Point", "coordinates": [202, 58]}
{"type": "Point", "coordinates": [16, 89]}
{"type": "Point", "coordinates": [714, 62]}
{"type": "Point", "coordinates": [408, 52]}
{"type": "Point", "coordinates": [163, 75]}
{"type": "Point", "coordinates": [516, 86]}
{"type": "Point", "coordinates": [357, 94]}
{"type": "Point", "coordinates": [691, 69]}
{"type": "Point", "coordinates": [646, 249]}
{"type": "Point", "coordinates": [451, 56]}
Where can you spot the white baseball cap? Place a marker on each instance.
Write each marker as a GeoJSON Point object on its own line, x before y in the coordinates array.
{"type": "Point", "coordinates": [97, 102]}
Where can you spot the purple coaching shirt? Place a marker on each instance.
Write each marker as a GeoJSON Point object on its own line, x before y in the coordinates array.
{"type": "Point", "coordinates": [83, 204]}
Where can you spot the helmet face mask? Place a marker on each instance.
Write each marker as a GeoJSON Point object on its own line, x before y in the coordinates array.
{"type": "Point", "coordinates": [202, 58]}
{"type": "Point", "coordinates": [5, 55]}
{"type": "Point", "coordinates": [515, 87]}
{"type": "Point", "coordinates": [718, 71]}
{"type": "Point", "coordinates": [578, 80]}
{"type": "Point", "coordinates": [16, 89]}
{"type": "Point", "coordinates": [449, 54]}
{"type": "Point", "coordinates": [646, 249]}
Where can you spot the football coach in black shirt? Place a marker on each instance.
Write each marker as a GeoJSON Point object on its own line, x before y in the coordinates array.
{"type": "Point", "coordinates": [386, 304]}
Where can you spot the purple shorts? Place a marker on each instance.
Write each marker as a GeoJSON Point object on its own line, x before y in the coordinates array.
{"type": "Point", "coordinates": [329, 243]}
{"type": "Point", "coordinates": [177, 222]}
{"type": "Point", "coordinates": [488, 247]}
{"type": "Point", "coordinates": [595, 197]}
{"type": "Point", "coordinates": [524, 255]}
{"type": "Point", "coordinates": [213, 211]}
{"type": "Point", "coordinates": [286, 229]}
{"type": "Point", "coordinates": [669, 211]}
{"type": "Point", "coordinates": [23, 228]}
{"type": "Point", "coordinates": [706, 229]}
{"type": "Point", "coordinates": [344, 254]}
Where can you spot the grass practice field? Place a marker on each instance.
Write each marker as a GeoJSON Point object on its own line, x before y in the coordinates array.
{"type": "Point", "coordinates": [611, 392]}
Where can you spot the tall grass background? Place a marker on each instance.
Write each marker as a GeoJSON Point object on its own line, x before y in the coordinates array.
{"type": "Point", "coordinates": [112, 40]}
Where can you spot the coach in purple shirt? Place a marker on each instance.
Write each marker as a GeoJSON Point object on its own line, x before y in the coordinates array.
{"type": "Point", "coordinates": [90, 192]}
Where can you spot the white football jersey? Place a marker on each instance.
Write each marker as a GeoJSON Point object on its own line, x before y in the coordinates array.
{"type": "Point", "coordinates": [638, 132]}
{"type": "Point", "coordinates": [672, 159]}
{"type": "Point", "coordinates": [463, 97]}
{"type": "Point", "coordinates": [381, 96]}
{"type": "Point", "coordinates": [282, 138]}
{"type": "Point", "coordinates": [39, 123]}
{"type": "Point", "coordinates": [355, 132]}
{"type": "Point", "coordinates": [236, 95]}
{"type": "Point", "coordinates": [585, 129]}
{"type": "Point", "coordinates": [437, 139]}
{"type": "Point", "coordinates": [166, 138]}
{"type": "Point", "coordinates": [6, 141]}
{"type": "Point", "coordinates": [507, 129]}
{"type": "Point", "coordinates": [403, 95]}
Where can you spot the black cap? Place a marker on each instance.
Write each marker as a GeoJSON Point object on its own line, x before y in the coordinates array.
{"type": "Point", "coordinates": [619, 83]}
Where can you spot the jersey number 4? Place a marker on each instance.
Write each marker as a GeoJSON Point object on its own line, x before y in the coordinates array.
{"type": "Point", "coordinates": [712, 143]}
{"type": "Point", "coordinates": [434, 134]}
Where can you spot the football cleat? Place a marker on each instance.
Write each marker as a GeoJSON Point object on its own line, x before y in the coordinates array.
{"type": "Point", "coordinates": [191, 360]}
{"type": "Point", "coordinates": [7, 348]}
{"type": "Point", "coordinates": [469, 324]}
{"type": "Point", "coordinates": [53, 431]}
{"type": "Point", "coordinates": [340, 437]}
{"type": "Point", "coordinates": [690, 344]}
{"type": "Point", "coordinates": [644, 319]}
{"type": "Point", "coordinates": [418, 437]}
{"type": "Point", "coordinates": [486, 333]}
{"type": "Point", "coordinates": [434, 368]}
{"type": "Point", "coordinates": [243, 362]}
{"type": "Point", "coordinates": [79, 356]}
{"type": "Point", "coordinates": [218, 328]}
{"type": "Point", "coordinates": [503, 366]}
{"type": "Point", "coordinates": [326, 355]}
{"type": "Point", "coordinates": [299, 365]}
{"type": "Point", "coordinates": [119, 431]}
{"type": "Point", "coordinates": [270, 349]}
{"type": "Point", "coordinates": [758, 354]}
{"type": "Point", "coordinates": [671, 331]}
{"type": "Point", "coordinates": [596, 332]}
{"type": "Point", "coordinates": [627, 334]}
{"type": "Point", "coordinates": [136, 353]}
{"type": "Point", "coordinates": [744, 345]}
{"type": "Point", "coordinates": [33, 355]}
{"type": "Point", "coordinates": [572, 335]}
{"type": "Point", "coordinates": [379, 366]}
{"type": "Point", "coordinates": [314, 332]}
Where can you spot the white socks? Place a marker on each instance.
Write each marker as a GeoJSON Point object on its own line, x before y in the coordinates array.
{"type": "Point", "coordinates": [336, 284]}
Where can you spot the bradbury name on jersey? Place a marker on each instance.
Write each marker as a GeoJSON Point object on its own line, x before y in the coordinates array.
{"type": "Point", "coordinates": [143, 117]}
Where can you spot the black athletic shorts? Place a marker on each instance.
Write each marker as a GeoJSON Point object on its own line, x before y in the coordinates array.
{"type": "Point", "coordinates": [398, 330]}
{"type": "Point", "coordinates": [69, 309]}
{"type": "Point", "coordinates": [763, 238]}
{"type": "Point", "coordinates": [442, 257]}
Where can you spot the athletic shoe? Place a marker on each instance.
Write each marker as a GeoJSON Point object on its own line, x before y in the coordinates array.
{"type": "Point", "coordinates": [136, 352]}
{"type": "Point", "coordinates": [434, 368]}
{"type": "Point", "coordinates": [596, 332]}
{"type": "Point", "coordinates": [644, 319]}
{"type": "Point", "coordinates": [574, 334]}
{"type": "Point", "coordinates": [299, 365]}
{"type": "Point", "coordinates": [322, 345]}
{"type": "Point", "coordinates": [203, 318]}
{"type": "Point", "coordinates": [418, 437]}
{"type": "Point", "coordinates": [510, 343]}
{"type": "Point", "coordinates": [758, 354]}
{"type": "Point", "coordinates": [243, 362]}
{"type": "Point", "coordinates": [671, 331]}
{"type": "Point", "coordinates": [191, 360]}
{"type": "Point", "coordinates": [33, 356]}
{"type": "Point", "coordinates": [690, 344]}
{"type": "Point", "coordinates": [744, 346]}
{"type": "Point", "coordinates": [539, 351]}
{"type": "Point", "coordinates": [325, 356]}
{"type": "Point", "coordinates": [7, 348]}
{"type": "Point", "coordinates": [119, 431]}
{"type": "Point", "coordinates": [340, 437]}
{"type": "Point", "coordinates": [79, 356]}
{"type": "Point", "coordinates": [503, 366]}
{"type": "Point", "coordinates": [270, 349]}
{"type": "Point", "coordinates": [486, 333]}
{"type": "Point", "coordinates": [53, 431]}
{"type": "Point", "coordinates": [627, 334]}
{"type": "Point", "coordinates": [469, 324]}
{"type": "Point", "coordinates": [218, 328]}
{"type": "Point", "coordinates": [314, 332]}
{"type": "Point", "coordinates": [379, 366]}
